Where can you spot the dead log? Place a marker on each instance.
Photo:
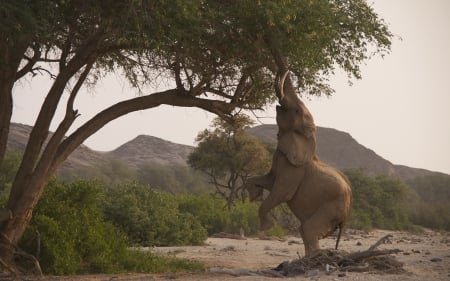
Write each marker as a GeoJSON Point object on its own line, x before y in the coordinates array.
{"type": "Point", "coordinates": [380, 241]}
{"type": "Point", "coordinates": [369, 253]}
{"type": "Point", "coordinates": [228, 235]}
{"type": "Point", "coordinates": [358, 257]}
{"type": "Point", "coordinates": [370, 260]}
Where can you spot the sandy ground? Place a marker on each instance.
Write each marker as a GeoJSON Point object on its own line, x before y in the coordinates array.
{"type": "Point", "coordinates": [425, 256]}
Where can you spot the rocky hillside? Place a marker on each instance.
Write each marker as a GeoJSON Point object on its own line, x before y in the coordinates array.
{"type": "Point", "coordinates": [82, 157]}
{"type": "Point", "coordinates": [147, 149]}
{"type": "Point", "coordinates": [339, 149]}
{"type": "Point", "coordinates": [334, 147]}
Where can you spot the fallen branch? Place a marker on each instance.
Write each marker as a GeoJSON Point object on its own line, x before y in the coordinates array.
{"type": "Point", "coordinates": [380, 241]}
{"type": "Point", "coordinates": [370, 260]}
{"type": "Point", "coordinates": [228, 235]}
{"type": "Point", "coordinates": [371, 252]}
{"type": "Point", "coordinates": [360, 256]}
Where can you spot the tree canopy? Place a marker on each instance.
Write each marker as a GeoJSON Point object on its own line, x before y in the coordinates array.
{"type": "Point", "coordinates": [214, 55]}
{"type": "Point", "coordinates": [228, 155]}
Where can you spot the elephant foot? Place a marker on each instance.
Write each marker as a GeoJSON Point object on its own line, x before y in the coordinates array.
{"type": "Point", "coordinates": [311, 252]}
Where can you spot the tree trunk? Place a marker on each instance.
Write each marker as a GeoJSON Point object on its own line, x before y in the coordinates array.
{"type": "Point", "coordinates": [10, 57]}
{"type": "Point", "coordinates": [32, 177]}
{"type": "Point", "coordinates": [22, 208]}
{"type": "Point", "coordinates": [5, 114]}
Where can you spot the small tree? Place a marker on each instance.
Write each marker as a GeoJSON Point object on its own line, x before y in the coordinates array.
{"type": "Point", "coordinates": [228, 156]}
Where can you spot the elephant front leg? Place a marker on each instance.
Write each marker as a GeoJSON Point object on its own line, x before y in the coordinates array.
{"type": "Point", "coordinates": [264, 222]}
{"type": "Point", "coordinates": [285, 186]}
{"type": "Point", "coordinates": [257, 184]}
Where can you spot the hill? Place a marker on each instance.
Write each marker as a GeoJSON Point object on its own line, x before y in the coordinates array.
{"type": "Point", "coordinates": [334, 147]}
{"type": "Point", "coordinates": [148, 149]}
{"type": "Point", "coordinates": [341, 150]}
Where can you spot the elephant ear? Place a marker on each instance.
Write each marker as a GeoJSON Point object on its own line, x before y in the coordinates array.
{"type": "Point", "coordinates": [297, 148]}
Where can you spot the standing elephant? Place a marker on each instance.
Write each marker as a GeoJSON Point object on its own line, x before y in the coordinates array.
{"type": "Point", "coordinates": [318, 194]}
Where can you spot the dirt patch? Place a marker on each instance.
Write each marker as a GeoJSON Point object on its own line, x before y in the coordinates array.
{"type": "Point", "coordinates": [422, 257]}
{"type": "Point", "coordinates": [419, 257]}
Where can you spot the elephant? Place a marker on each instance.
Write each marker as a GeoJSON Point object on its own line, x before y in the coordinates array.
{"type": "Point", "coordinates": [318, 195]}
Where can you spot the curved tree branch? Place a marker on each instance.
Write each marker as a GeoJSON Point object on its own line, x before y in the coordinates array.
{"type": "Point", "coordinates": [174, 97]}
{"type": "Point", "coordinates": [70, 116]}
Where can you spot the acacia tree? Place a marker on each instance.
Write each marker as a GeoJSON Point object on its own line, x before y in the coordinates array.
{"type": "Point", "coordinates": [216, 54]}
{"type": "Point", "coordinates": [228, 155]}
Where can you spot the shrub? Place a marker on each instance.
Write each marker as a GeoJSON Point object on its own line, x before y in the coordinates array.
{"type": "Point", "coordinates": [430, 207]}
{"type": "Point", "coordinates": [243, 215]}
{"type": "Point", "coordinates": [74, 237]}
{"type": "Point", "coordinates": [207, 209]}
{"type": "Point", "coordinates": [214, 215]}
{"type": "Point", "coordinates": [151, 217]}
{"type": "Point", "coordinates": [8, 169]}
{"type": "Point", "coordinates": [379, 202]}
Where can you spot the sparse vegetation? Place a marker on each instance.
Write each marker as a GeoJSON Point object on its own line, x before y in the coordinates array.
{"type": "Point", "coordinates": [87, 226]}
{"type": "Point", "coordinates": [378, 202]}
{"type": "Point", "coordinates": [151, 217]}
{"type": "Point", "coordinates": [76, 237]}
{"type": "Point", "coordinates": [432, 203]}
{"type": "Point", "coordinates": [174, 179]}
{"type": "Point", "coordinates": [228, 156]}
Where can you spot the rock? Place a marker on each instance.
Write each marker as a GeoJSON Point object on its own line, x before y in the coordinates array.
{"type": "Point", "coordinates": [436, 260]}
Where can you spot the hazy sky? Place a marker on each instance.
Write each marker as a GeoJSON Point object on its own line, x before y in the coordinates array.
{"type": "Point", "coordinates": [400, 108]}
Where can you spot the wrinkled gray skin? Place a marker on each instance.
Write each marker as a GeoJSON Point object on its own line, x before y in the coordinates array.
{"type": "Point", "coordinates": [317, 194]}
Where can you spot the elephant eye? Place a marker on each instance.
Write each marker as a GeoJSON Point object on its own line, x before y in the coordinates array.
{"type": "Point", "coordinates": [297, 110]}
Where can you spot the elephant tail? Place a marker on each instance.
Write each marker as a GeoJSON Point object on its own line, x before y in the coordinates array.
{"type": "Point", "coordinates": [340, 227]}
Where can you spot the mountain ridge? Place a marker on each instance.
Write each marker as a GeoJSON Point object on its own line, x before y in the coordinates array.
{"type": "Point", "coordinates": [334, 147]}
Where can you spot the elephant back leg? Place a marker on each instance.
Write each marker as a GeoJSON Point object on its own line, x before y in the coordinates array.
{"type": "Point", "coordinates": [318, 226]}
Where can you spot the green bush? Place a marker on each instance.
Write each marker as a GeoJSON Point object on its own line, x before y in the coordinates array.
{"type": "Point", "coordinates": [207, 209]}
{"type": "Point", "coordinates": [74, 237]}
{"type": "Point", "coordinates": [8, 169]}
{"type": "Point", "coordinates": [432, 215]}
{"type": "Point", "coordinates": [431, 205]}
{"type": "Point", "coordinates": [213, 214]}
{"type": "Point", "coordinates": [378, 202]}
{"type": "Point", "coordinates": [243, 215]}
{"type": "Point", "coordinates": [173, 179]}
{"type": "Point", "coordinates": [151, 217]}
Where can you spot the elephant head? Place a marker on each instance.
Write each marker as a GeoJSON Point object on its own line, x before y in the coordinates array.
{"type": "Point", "coordinates": [296, 128]}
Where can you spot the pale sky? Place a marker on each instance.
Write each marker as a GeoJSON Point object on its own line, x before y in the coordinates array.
{"type": "Point", "coordinates": [400, 108]}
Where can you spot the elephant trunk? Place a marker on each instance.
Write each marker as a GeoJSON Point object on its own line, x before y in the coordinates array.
{"type": "Point", "coordinates": [285, 91]}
